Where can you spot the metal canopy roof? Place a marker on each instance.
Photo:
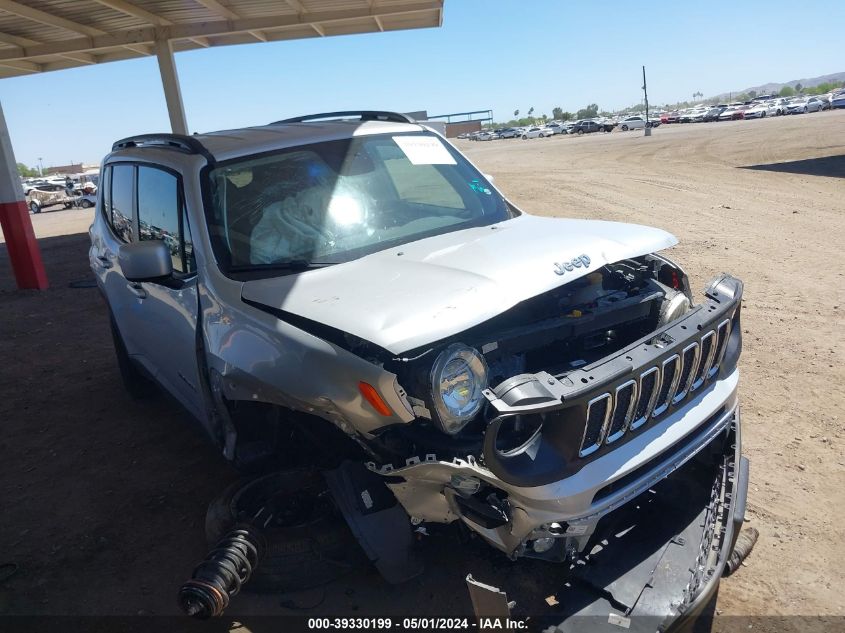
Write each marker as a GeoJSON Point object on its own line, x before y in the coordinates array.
{"type": "Point", "coordinates": [43, 35]}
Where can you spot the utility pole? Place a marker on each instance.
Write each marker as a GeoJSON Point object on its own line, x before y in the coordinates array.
{"type": "Point", "coordinates": [645, 93]}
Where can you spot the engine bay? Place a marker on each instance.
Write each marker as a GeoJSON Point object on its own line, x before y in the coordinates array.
{"type": "Point", "coordinates": [570, 327]}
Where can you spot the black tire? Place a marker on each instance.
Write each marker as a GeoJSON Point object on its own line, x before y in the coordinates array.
{"type": "Point", "coordinates": [86, 204]}
{"type": "Point", "coordinates": [580, 132]}
{"type": "Point", "coordinates": [524, 137]}
{"type": "Point", "coordinates": [763, 115]}
{"type": "Point", "coordinates": [624, 128]}
{"type": "Point", "coordinates": [313, 552]}
{"type": "Point", "coordinates": [134, 380]}
{"type": "Point", "coordinates": [34, 207]}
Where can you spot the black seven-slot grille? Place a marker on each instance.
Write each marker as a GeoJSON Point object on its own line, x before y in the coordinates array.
{"type": "Point", "coordinates": [586, 412]}
{"type": "Point", "coordinates": [632, 404]}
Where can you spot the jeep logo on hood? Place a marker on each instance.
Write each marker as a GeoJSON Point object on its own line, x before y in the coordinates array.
{"type": "Point", "coordinates": [578, 262]}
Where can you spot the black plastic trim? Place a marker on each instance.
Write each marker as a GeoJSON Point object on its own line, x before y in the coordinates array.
{"type": "Point", "coordinates": [179, 142]}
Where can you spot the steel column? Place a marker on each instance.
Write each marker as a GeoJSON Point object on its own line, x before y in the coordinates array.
{"type": "Point", "coordinates": [172, 90]}
{"type": "Point", "coordinates": [15, 222]}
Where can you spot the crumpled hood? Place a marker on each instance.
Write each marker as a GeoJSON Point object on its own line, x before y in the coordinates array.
{"type": "Point", "coordinates": [405, 297]}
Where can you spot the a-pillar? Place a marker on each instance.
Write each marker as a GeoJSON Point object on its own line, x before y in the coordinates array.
{"type": "Point", "coordinates": [14, 220]}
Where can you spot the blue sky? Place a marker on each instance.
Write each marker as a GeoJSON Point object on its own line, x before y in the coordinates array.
{"type": "Point", "coordinates": [499, 54]}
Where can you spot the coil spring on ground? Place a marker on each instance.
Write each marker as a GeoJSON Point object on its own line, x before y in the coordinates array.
{"type": "Point", "coordinates": [220, 576]}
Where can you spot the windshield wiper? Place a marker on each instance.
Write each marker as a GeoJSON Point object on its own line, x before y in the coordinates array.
{"type": "Point", "coordinates": [291, 265]}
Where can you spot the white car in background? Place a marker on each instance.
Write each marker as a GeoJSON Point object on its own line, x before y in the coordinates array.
{"type": "Point", "coordinates": [536, 132]}
{"type": "Point", "coordinates": [632, 123]}
{"type": "Point", "coordinates": [761, 110]}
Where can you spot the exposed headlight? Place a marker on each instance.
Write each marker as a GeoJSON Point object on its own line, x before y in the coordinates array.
{"type": "Point", "coordinates": [457, 379]}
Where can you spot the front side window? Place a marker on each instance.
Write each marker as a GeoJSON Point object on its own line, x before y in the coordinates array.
{"type": "Point", "coordinates": [335, 201]}
{"type": "Point", "coordinates": [122, 194]}
{"type": "Point", "coordinates": [160, 212]}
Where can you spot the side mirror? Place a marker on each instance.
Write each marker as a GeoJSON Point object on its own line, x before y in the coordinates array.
{"type": "Point", "coordinates": [143, 261]}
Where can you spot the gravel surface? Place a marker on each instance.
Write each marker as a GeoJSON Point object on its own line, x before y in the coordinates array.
{"type": "Point", "coordinates": [103, 498]}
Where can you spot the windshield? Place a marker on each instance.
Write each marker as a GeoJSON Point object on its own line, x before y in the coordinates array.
{"type": "Point", "coordinates": [334, 201]}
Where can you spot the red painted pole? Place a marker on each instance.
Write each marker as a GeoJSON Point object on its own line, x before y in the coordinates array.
{"type": "Point", "coordinates": [15, 222]}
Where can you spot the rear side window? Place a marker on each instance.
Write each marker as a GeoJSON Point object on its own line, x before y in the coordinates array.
{"type": "Point", "coordinates": [161, 215]}
{"type": "Point", "coordinates": [122, 194]}
{"type": "Point", "coordinates": [106, 190]}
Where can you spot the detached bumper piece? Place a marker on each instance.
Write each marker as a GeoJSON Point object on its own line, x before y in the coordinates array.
{"type": "Point", "coordinates": [584, 413]}
{"type": "Point", "coordinates": [655, 563]}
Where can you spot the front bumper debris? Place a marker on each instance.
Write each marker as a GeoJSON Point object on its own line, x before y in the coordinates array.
{"type": "Point", "coordinates": [655, 563]}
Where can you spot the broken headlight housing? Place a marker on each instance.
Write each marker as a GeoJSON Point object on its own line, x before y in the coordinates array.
{"type": "Point", "coordinates": [458, 377]}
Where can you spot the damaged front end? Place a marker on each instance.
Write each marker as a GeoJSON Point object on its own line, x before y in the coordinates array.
{"type": "Point", "coordinates": [621, 460]}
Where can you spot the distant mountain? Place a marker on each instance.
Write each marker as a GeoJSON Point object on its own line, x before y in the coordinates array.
{"type": "Point", "coordinates": [771, 88]}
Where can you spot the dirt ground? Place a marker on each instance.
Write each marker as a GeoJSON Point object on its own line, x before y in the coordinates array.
{"type": "Point", "coordinates": [102, 498]}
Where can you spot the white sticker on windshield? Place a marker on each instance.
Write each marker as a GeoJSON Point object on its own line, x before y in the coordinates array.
{"type": "Point", "coordinates": [424, 150]}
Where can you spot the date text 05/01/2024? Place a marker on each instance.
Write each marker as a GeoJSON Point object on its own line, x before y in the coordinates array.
{"type": "Point", "coordinates": [420, 624]}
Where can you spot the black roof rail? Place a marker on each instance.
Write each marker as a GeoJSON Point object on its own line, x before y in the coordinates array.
{"type": "Point", "coordinates": [363, 115]}
{"type": "Point", "coordinates": [181, 142]}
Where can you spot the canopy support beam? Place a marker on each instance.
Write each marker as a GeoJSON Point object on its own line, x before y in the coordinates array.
{"type": "Point", "coordinates": [15, 221]}
{"type": "Point", "coordinates": [172, 90]}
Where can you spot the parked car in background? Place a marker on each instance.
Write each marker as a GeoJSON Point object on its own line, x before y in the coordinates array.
{"type": "Point", "coordinates": [838, 100]}
{"type": "Point", "coordinates": [731, 113]}
{"type": "Point", "coordinates": [825, 100]}
{"type": "Point", "coordinates": [536, 132]}
{"type": "Point", "coordinates": [587, 127]}
{"type": "Point", "coordinates": [509, 132]}
{"type": "Point", "coordinates": [802, 105]}
{"type": "Point", "coordinates": [632, 123]}
{"type": "Point", "coordinates": [713, 113]}
{"type": "Point", "coordinates": [47, 195]}
{"type": "Point", "coordinates": [556, 128]}
{"type": "Point", "coordinates": [760, 110]}
{"type": "Point", "coordinates": [781, 105]}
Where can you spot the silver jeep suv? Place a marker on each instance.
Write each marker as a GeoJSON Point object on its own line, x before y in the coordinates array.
{"type": "Point", "coordinates": [348, 290]}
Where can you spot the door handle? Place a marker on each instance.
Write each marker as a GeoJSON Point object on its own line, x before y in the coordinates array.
{"type": "Point", "coordinates": [138, 291]}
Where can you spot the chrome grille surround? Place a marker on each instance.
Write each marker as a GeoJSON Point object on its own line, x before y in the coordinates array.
{"type": "Point", "coordinates": [607, 400]}
{"type": "Point", "coordinates": [723, 332]}
{"type": "Point", "coordinates": [627, 415]}
{"type": "Point", "coordinates": [652, 398]}
{"type": "Point", "coordinates": [673, 361]}
{"type": "Point", "coordinates": [708, 343]}
{"type": "Point", "coordinates": [689, 366]}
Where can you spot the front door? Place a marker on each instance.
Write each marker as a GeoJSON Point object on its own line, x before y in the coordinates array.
{"type": "Point", "coordinates": [157, 320]}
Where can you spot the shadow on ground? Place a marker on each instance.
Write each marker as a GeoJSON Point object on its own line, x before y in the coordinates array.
{"type": "Point", "coordinates": [830, 166]}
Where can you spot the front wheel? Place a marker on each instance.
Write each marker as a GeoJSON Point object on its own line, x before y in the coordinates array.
{"type": "Point", "coordinates": [624, 128]}
{"type": "Point", "coordinates": [524, 137]}
{"type": "Point", "coordinates": [34, 207]}
{"type": "Point", "coordinates": [86, 204]}
{"type": "Point", "coordinates": [308, 541]}
{"type": "Point", "coordinates": [580, 132]}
